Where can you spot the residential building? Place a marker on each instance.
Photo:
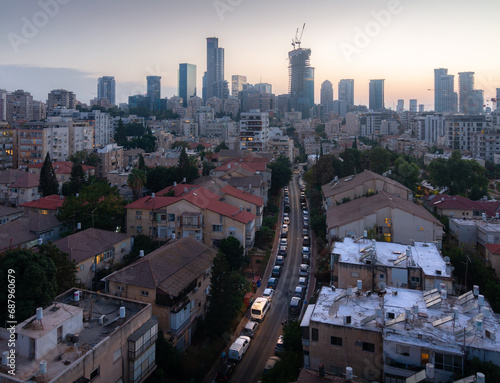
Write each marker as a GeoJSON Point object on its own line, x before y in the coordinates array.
{"type": "Point", "coordinates": [60, 98]}
{"type": "Point", "coordinates": [39, 111]}
{"type": "Point", "coordinates": [19, 106]}
{"type": "Point", "coordinates": [376, 95]}
{"type": "Point", "coordinates": [102, 124]}
{"type": "Point", "coordinates": [346, 92]}
{"type": "Point", "coordinates": [355, 186]}
{"type": "Point", "coordinates": [419, 266]}
{"type": "Point", "coordinates": [352, 124]}
{"type": "Point", "coordinates": [9, 214]}
{"type": "Point", "coordinates": [7, 178]}
{"type": "Point", "coordinates": [466, 92]}
{"type": "Point", "coordinates": [456, 206]}
{"type": "Point", "coordinates": [445, 97]}
{"type": "Point", "coordinates": [384, 216]}
{"type": "Point", "coordinates": [187, 82]}
{"type": "Point", "coordinates": [7, 147]}
{"type": "Point", "coordinates": [254, 127]}
{"type": "Point", "coordinates": [3, 105]}
{"type": "Point", "coordinates": [111, 157]}
{"type": "Point", "coordinates": [175, 280]}
{"type": "Point", "coordinates": [49, 205]}
{"type": "Point", "coordinates": [237, 84]}
{"type": "Point", "coordinates": [85, 336]}
{"type": "Point", "coordinates": [25, 189]}
{"type": "Point", "coordinates": [413, 106]}
{"type": "Point", "coordinates": [460, 129]}
{"type": "Point", "coordinates": [106, 89]}
{"type": "Point", "coordinates": [93, 250]}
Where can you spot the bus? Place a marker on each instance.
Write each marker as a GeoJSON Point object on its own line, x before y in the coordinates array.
{"type": "Point", "coordinates": [260, 308]}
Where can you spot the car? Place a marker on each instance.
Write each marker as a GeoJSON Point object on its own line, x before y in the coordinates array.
{"type": "Point", "coordinates": [283, 242]}
{"type": "Point", "coordinates": [268, 293]}
{"type": "Point", "coordinates": [306, 258]}
{"type": "Point", "coordinates": [306, 225]}
{"type": "Point", "coordinates": [239, 348]}
{"type": "Point", "coordinates": [280, 260]}
{"type": "Point", "coordinates": [282, 251]}
{"type": "Point", "coordinates": [305, 213]}
{"type": "Point", "coordinates": [304, 270]}
{"type": "Point", "coordinates": [295, 306]}
{"type": "Point", "coordinates": [271, 362]}
{"type": "Point", "coordinates": [286, 214]}
{"type": "Point", "coordinates": [302, 281]}
{"type": "Point", "coordinates": [300, 292]}
{"type": "Point", "coordinates": [305, 232]}
{"type": "Point", "coordinates": [280, 346]}
{"type": "Point", "coordinates": [286, 194]}
{"type": "Point", "coordinates": [284, 234]}
{"type": "Point", "coordinates": [284, 227]}
{"type": "Point", "coordinates": [250, 329]}
{"type": "Point", "coordinates": [286, 220]}
{"type": "Point", "coordinates": [286, 199]}
{"type": "Point", "coordinates": [306, 250]}
{"type": "Point", "coordinates": [276, 271]}
{"type": "Point", "coordinates": [306, 242]}
{"type": "Point", "coordinates": [225, 371]}
{"type": "Point", "coordinates": [287, 208]}
{"type": "Point", "coordinates": [272, 283]}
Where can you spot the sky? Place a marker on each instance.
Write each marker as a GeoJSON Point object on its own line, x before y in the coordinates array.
{"type": "Point", "coordinates": [69, 44]}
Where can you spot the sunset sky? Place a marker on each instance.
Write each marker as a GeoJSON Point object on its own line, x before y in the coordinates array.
{"type": "Point", "coordinates": [68, 44]}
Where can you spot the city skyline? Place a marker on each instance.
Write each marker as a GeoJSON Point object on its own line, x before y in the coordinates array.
{"type": "Point", "coordinates": [362, 41]}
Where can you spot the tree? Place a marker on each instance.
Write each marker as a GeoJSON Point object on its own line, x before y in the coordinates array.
{"type": "Point", "coordinates": [120, 133]}
{"type": "Point", "coordinates": [379, 160]}
{"type": "Point", "coordinates": [36, 283]}
{"type": "Point", "coordinates": [221, 146]}
{"type": "Point", "coordinates": [281, 173]}
{"type": "Point", "coordinates": [77, 180]}
{"type": "Point", "coordinates": [141, 165]}
{"type": "Point", "coordinates": [355, 143]}
{"type": "Point", "coordinates": [65, 267]}
{"type": "Point", "coordinates": [136, 181]}
{"type": "Point", "coordinates": [48, 179]}
{"type": "Point", "coordinates": [186, 168]}
{"type": "Point", "coordinates": [406, 173]}
{"type": "Point", "coordinates": [160, 177]}
{"type": "Point", "coordinates": [98, 205]}
{"type": "Point", "coordinates": [234, 252]}
{"type": "Point", "coordinates": [85, 157]}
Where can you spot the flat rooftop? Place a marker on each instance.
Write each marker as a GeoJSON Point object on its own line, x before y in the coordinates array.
{"type": "Point", "coordinates": [423, 255]}
{"type": "Point", "coordinates": [428, 325]}
{"type": "Point", "coordinates": [64, 354]}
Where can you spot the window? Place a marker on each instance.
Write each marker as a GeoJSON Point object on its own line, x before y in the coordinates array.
{"type": "Point", "coordinates": [415, 279]}
{"type": "Point", "coordinates": [314, 334]}
{"type": "Point", "coordinates": [120, 288]}
{"type": "Point", "coordinates": [217, 227]}
{"type": "Point", "coordinates": [170, 217]}
{"type": "Point", "coordinates": [368, 347]}
{"type": "Point", "coordinates": [424, 357]}
{"type": "Point", "coordinates": [144, 293]}
{"type": "Point", "coordinates": [390, 316]}
{"type": "Point", "coordinates": [402, 350]}
{"type": "Point", "coordinates": [355, 274]}
{"type": "Point", "coordinates": [336, 341]}
{"type": "Point", "coordinates": [94, 374]}
{"type": "Point", "coordinates": [117, 353]}
{"type": "Point", "coordinates": [382, 276]}
{"type": "Point", "coordinates": [448, 363]}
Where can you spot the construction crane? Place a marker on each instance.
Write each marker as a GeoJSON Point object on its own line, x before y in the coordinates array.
{"type": "Point", "coordinates": [298, 40]}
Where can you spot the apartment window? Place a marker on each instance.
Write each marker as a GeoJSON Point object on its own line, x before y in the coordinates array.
{"type": "Point", "coordinates": [314, 334]}
{"type": "Point", "coordinates": [94, 374]}
{"type": "Point", "coordinates": [368, 347]}
{"type": "Point", "coordinates": [415, 279]}
{"type": "Point", "coordinates": [217, 228]}
{"type": "Point", "coordinates": [336, 341]}
{"type": "Point", "coordinates": [402, 350]}
{"type": "Point", "coordinates": [424, 357]}
{"type": "Point", "coordinates": [108, 254]}
{"type": "Point", "coordinates": [117, 353]}
{"type": "Point", "coordinates": [144, 293]}
{"type": "Point", "coordinates": [171, 217]}
{"type": "Point", "coordinates": [448, 363]}
{"type": "Point", "coordinates": [120, 288]}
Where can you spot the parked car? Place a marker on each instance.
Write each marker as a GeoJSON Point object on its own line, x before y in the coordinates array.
{"type": "Point", "coordinates": [280, 346]}
{"type": "Point", "coordinates": [271, 362]}
{"type": "Point", "coordinates": [306, 241]}
{"type": "Point", "coordinates": [238, 348]}
{"type": "Point", "coordinates": [304, 270]}
{"type": "Point", "coordinates": [283, 242]}
{"type": "Point", "coordinates": [284, 234]}
{"type": "Point", "coordinates": [306, 225]}
{"type": "Point", "coordinates": [272, 283]}
{"type": "Point", "coordinates": [286, 220]}
{"type": "Point", "coordinates": [305, 232]}
{"type": "Point", "coordinates": [280, 260]}
{"type": "Point", "coordinates": [225, 371]}
{"type": "Point", "coordinates": [295, 306]}
{"type": "Point", "coordinates": [268, 293]}
{"type": "Point", "coordinates": [282, 251]}
{"type": "Point", "coordinates": [287, 207]}
{"type": "Point", "coordinates": [276, 271]}
{"type": "Point", "coordinates": [300, 292]}
{"type": "Point", "coordinates": [302, 281]}
{"type": "Point", "coordinates": [284, 227]}
{"type": "Point", "coordinates": [250, 329]}
{"type": "Point", "coordinates": [306, 258]}
{"type": "Point", "coordinates": [306, 250]}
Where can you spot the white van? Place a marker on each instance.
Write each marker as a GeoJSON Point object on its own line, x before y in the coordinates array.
{"type": "Point", "coordinates": [260, 308]}
{"type": "Point", "coordinates": [238, 348]}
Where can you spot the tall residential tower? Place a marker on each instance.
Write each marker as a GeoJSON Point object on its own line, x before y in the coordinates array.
{"type": "Point", "coordinates": [187, 82]}
{"type": "Point", "coordinates": [106, 89]}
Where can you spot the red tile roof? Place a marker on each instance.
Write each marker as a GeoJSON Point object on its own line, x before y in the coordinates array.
{"type": "Point", "coordinates": [494, 248]}
{"type": "Point", "coordinates": [51, 202]}
{"type": "Point", "coordinates": [456, 202]}
{"type": "Point", "coordinates": [150, 203]}
{"type": "Point", "coordinates": [252, 198]}
{"type": "Point", "coordinates": [178, 190]}
{"type": "Point", "coordinates": [28, 180]}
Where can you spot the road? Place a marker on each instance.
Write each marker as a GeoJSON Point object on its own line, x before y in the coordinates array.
{"type": "Point", "coordinates": [262, 346]}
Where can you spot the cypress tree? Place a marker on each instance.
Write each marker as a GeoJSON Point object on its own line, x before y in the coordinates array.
{"type": "Point", "coordinates": [48, 184]}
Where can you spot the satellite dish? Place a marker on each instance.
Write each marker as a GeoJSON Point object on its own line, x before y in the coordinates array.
{"type": "Point", "coordinates": [382, 285]}
{"type": "Point", "coordinates": [446, 259]}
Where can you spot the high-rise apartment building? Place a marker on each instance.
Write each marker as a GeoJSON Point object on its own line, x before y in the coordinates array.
{"type": "Point", "coordinates": [154, 91]}
{"type": "Point", "coordinates": [466, 94]}
{"type": "Point", "coordinates": [413, 106]}
{"type": "Point", "coordinates": [497, 99]}
{"type": "Point", "coordinates": [301, 81]}
{"type": "Point", "coordinates": [187, 82]}
{"type": "Point", "coordinates": [237, 84]}
{"type": "Point", "coordinates": [376, 95]}
{"type": "Point", "coordinates": [326, 93]}
{"type": "Point", "coordinates": [445, 97]}
{"type": "Point", "coordinates": [106, 89]}
{"type": "Point", "coordinates": [401, 106]}
{"type": "Point", "coordinates": [3, 104]}
{"type": "Point", "coordinates": [254, 130]}
{"type": "Point", "coordinates": [215, 68]}
{"type": "Point", "coordinates": [19, 106]}
{"type": "Point", "coordinates": [346, 91]}
{"type": "Point", "coordinates": [60, 98]}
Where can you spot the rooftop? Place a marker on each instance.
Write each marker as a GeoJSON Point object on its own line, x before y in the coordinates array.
{"type": "Point", "coordinates": [27, 180]}
{"type": "Point", "coordinates": [51, 202]}
{"type": "Point", "coordinates": [423, 255]}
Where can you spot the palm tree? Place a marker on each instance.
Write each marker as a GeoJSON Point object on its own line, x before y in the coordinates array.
{"type": "Point", "coordinates": [135, 181]}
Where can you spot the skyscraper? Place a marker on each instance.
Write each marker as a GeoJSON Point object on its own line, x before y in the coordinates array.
{"type": "Point", "coordinates": [376, 94]}
{"type": "Point", "coordinates": [187, 82]}
{"type": "Point", "coordinates": [413, 106]}
{"type": "Point", "coordinates": [326, 93]}
{"type": "Point", "coordinates": [301, 81]}
{"type": "Point", "coordinates": [106, 89]}
{"type": "Point", "coordinates": [215, 68]}
{"type": "Point", "coordinates": [237, 83]}
{"type": "Point", "coordinates": [466, 94]}
{"type": "Point", "coordinates": [401, 106]}
{"type": "Point", "coordinates": [497, 99]}
{"type": "Point", "coordinates": [346, 91]}
{"type": "Point", "coordinates": [154, 91]}
{"type": "Point", "coordinates": [445, 97]}
{"type": "Point", "coordinates": [19, 106]}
